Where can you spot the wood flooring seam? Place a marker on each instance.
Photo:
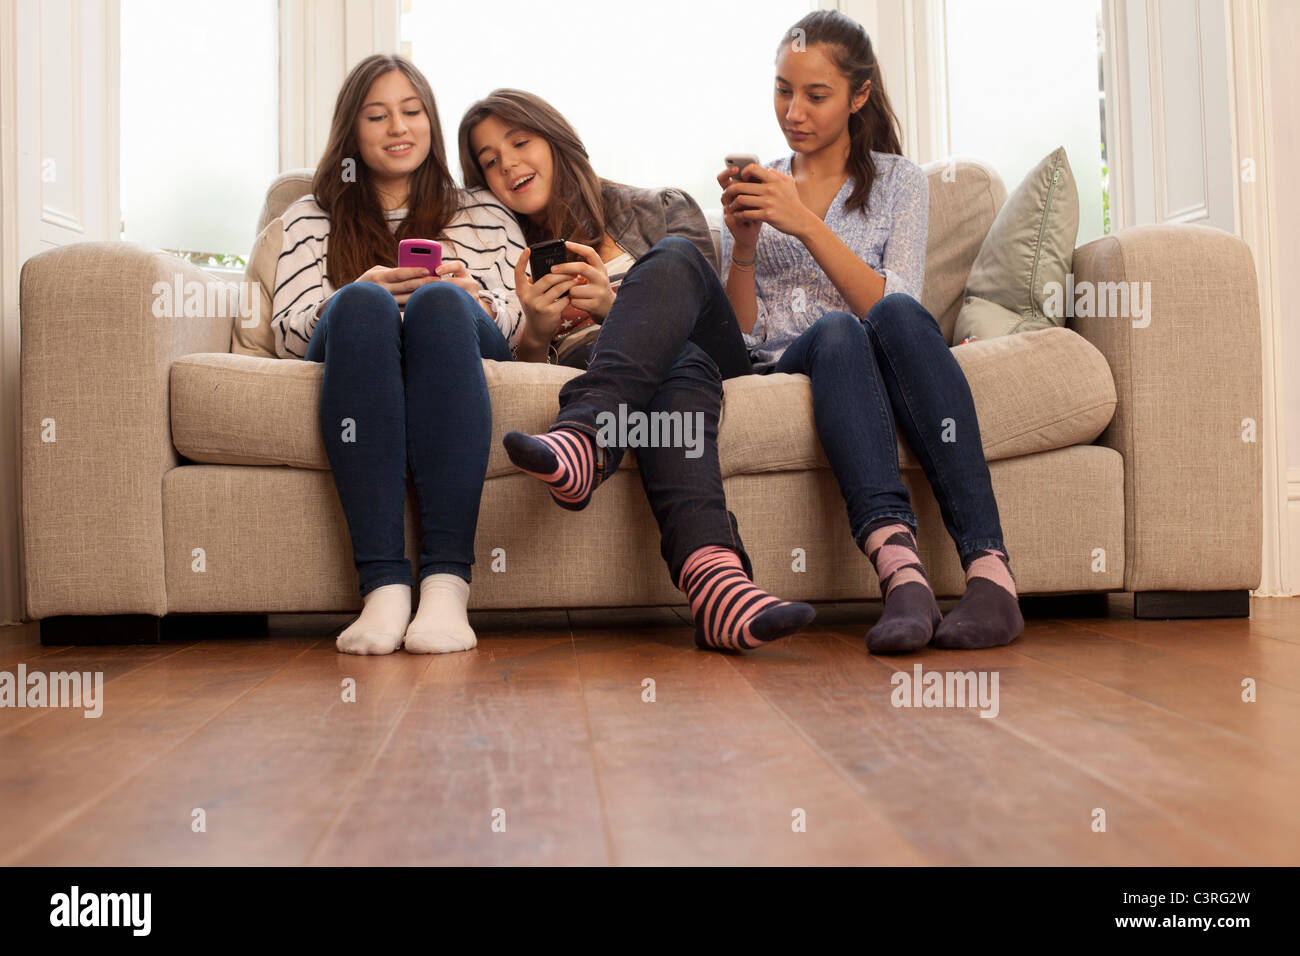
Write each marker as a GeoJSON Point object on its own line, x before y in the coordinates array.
{"type": "Point", "coordinates": [611, 858]}
{"type": "Point", "coordinates": [357, 778]}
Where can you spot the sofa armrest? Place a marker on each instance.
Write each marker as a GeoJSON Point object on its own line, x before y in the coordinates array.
{"type": "Point", "coordinates": [99, 335]}
{"type": "Point", "coordinates": [1188, 376]}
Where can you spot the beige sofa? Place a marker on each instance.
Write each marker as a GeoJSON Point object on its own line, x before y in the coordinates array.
{"type": "Point", "coordinates": [186, 473]}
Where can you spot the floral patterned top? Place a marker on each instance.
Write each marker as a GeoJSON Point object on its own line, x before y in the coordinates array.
{"type": "Point", "coordinates": [889, 235]}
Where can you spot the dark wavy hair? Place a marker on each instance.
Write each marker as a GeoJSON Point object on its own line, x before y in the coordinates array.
{"type": "Point", "coordinates": [581, 204]}
{"type": "Point", "coordinates": [874, 127]}
{"type": "Point", "coordinates": [359, 235]}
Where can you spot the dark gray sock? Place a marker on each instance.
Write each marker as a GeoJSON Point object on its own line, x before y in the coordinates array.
{"type": "Point", "coordinates": [988, 614]}
{"type": "Point", "coordinates": [908, 623]}
{"type": "Point", "coordinates": [911, 612]}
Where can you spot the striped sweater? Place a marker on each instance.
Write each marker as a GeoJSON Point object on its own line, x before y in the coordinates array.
{"type": "Point", "coordinates": [482, 235]}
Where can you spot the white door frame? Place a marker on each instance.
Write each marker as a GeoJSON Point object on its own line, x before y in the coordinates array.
{"type": "Point", "coordinates": [1251, 102]}
{"type": "Point", "coordinates": [12, 607]}
{"type": "Point", "coordinates": [48, 200]}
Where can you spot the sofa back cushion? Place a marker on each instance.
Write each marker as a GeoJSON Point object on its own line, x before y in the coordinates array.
{"type": "Point", "coordinates": [256, 337]}
{"type": "Point", "coordinates": [965, 196]}
{"type": "Point", "coordinates": [253, 335]}
{"type": "Point", "coordinates": [290, 185]}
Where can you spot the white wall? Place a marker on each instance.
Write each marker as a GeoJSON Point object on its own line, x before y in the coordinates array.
{"type": "Point", "coordinates": [1283, 77]}
{"type": "Point", "coordinates": [1284, 82]}
{"type": "Point", "coordinates": [11, 602]}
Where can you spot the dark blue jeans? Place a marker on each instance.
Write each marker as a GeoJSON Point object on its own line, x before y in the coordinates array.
{"type": "Point", "coordinates": [672, 338]}
{"type": "Point", "coordinates": [895, 367]}
{"type": "Point", "coordinates": [666, 346]}
{"type": "Point", "coordinates": [407, 393]}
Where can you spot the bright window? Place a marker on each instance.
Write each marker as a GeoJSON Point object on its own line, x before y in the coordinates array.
{"type": "Point", "coordinates": [659, 92]}
{"type": "Point", "coordinates": [1024, 77]}
{"type": "Point", "coordinates": [200, 139]}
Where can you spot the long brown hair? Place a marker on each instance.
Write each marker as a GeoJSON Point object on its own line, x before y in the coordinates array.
{"type": "Point", "coordinates": [874, 127]}
{"type": "Point", "coordinates": [359, 234]}
{"type": "Point", "coordinates": [578, 209]}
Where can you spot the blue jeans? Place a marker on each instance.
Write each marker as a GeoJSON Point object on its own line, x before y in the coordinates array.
{"type": "Point", "coordinates": [672, 338]}
{"type": "Point", "coordinates": [666, 346]}
{"type": "Point", "coordinates": [407, 393]}
{"type": "Point", "coordinates": [896, 367]}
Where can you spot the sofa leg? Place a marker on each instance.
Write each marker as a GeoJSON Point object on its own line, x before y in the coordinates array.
{"type": "Point", "coordinates": [1092, 604]}
{"type": "Point", "coordinates": [1175, 604]}
{"type": "Point", "coordinates": [84, 629]}
{"type": "Point", "coordinates": [101, 629]}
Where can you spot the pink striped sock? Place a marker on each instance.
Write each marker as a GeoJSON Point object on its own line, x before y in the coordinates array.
{"type": "Point", "coordinates": [730, 611]}
{"type": "Point", "coordinates": [564, 459]}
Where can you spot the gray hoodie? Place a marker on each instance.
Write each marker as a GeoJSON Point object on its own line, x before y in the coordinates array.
{"type": "Point", "coordinates": [644, 216]}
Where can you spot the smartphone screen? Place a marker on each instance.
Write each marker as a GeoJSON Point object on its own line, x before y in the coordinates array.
{"type": "Point", "coordinates": [544, 256]}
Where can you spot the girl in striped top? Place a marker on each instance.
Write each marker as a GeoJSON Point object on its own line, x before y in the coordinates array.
{"type": "Point", "coordinates": [482, 236]}
{"type": "Point", "coordinates": [403, 382]}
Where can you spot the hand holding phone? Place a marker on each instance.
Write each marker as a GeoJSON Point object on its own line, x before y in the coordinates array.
{"type": "Point", "coordinates": [545, 296]}
{"type": "Point", "coordinates": [744, 231]}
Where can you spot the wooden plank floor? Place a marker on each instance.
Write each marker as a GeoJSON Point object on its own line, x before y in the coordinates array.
{"type": "Point", "coordinates": [540, 747]}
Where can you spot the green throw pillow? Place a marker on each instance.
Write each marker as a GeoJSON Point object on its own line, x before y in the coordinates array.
{"type": "Point", "coordinates": [1029, 246]}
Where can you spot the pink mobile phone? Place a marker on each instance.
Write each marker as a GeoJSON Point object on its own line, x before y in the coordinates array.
{"type": "Point", "coordinates": [419, 252]}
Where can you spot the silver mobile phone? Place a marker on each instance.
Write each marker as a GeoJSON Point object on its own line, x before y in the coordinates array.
{"type": "Point", "coordinates": [741, 160]}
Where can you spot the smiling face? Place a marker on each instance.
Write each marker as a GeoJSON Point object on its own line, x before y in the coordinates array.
{"type": "Point", "coordinates": [812, 99]}
{"type": "Point", "coordinates": [393, 132]}
{"type": "Point", "coordinates": [517, 164]}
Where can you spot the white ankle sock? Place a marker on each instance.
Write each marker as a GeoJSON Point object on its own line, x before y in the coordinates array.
{"type": "Point", "coordinates": [441, 625]}
{"type": "Point", "coordinates": [382, 623]}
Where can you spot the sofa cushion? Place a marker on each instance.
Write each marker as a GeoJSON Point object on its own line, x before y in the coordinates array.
{"type": "Point", "coordinates": [1034, 392]}
{"type": "Point", "coordinates": [525, 398]}
{"type": "Point", "coordinates": [249, 410]}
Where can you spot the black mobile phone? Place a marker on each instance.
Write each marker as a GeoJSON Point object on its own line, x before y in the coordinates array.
{"type": "Point", "coordinates": [544, 256]}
